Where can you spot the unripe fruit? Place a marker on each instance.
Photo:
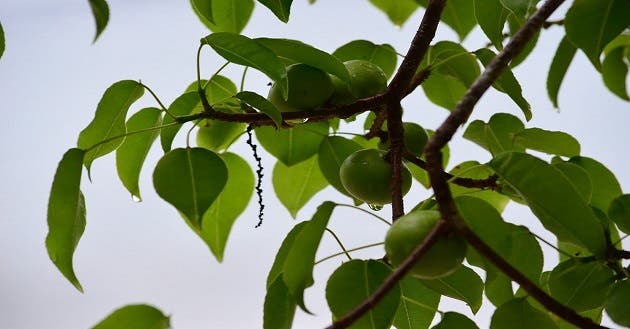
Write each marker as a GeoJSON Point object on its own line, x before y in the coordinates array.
{"type": "Point", "coordinates": [342, 94]}
{"type": "Point", "coordinates": [407, 232]}
{"type": "Point", "coordinates": [366, 78]}
{"type": "Point", "coordinates": [415, 138]}
{"type": "Point", "coordinates": [367, 176]}
{"type": "Point", "coordinates": [309, 88]}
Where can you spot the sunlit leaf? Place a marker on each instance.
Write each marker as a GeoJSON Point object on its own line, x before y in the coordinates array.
{"type": "Point", "coordinates": [100, 11]}
{"type": "Point", "coordinates": [223, 15]}
{"type": "Point", "coordinates": [491, 16]}
{"type": "Point", "coordinates": [398, 11]}
{"type": "Point", "coordinates": [464, 285]}
{"type": "Point", "coordinates": [293, 145]}
{"type": "Point", "coordinates": [302, 53]}
{"type": "Point", "coordinates": [352, 283]}
{"type": "Point", "coordinates": [496, 136]}
{"type": "Point", "coordinates": [332, 152]}
{"type": "Point", "coordinates": [218, 219]}
{"type": "Point", "coordinates": [578, 177]}
{"type": "Point", "coordinates": [131, 154]}
{"type": "Point", "coordinates": [217, 135]}
{"type": "Point", "coordinates": [506, 83]}
{"type": "Point", "coordinates": [182, 105]}
{"type": "Point", "coordinates": [451, 59]}
{"type": "Point", "coordinates": [552, 198]}
{"type": "Point", "coordinates": [383, 55]}
{"type": "Point", "coordinates": [592, 24]}
{"type": "Point", "coordinates": [558, 69]}
{"type": "Point", "coordinates": [519, 314]}
{"type": "Point", "coordinates": [418, 305]}
{"type": "Point", "coordinates": [581, 286]}
{"type": "Point", "coordinates": [618, 303]}
{"type": "Point", "coordinates": [66, 214]}
{"type": "Point", "coordinates": [279, 307]}
{"type": "Point", "coordinates": [190, 179]}
{"type": "Point", "coordinates": [280, 8]}
{"type": "Point", "coordinates": [443, 90]}
{"type": "Point", "coordinates": [135, 316]}
{"type": "Point", "coordinates": [298, 265]}
{"type": "Point", "coordinates": [109, 120]}
{"type": "Point", "coordinates": [454, 320]}
{"type": "Point", "coordinates": [550, 142]}
{"type": "Point", "coordinates": [297, 184]}
{"type": "Point", "coordinates": [605, 185]}
{"type": "Point", "coordinates": [615, 72]}
{"type": "Point", "coordinates": [619, 212]}
{"type": "Point", "coordinates": [258, 102]}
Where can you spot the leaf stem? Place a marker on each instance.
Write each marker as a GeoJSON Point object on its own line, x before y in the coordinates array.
{"type": "Point", "coordinates": [551, 245]}
{"type": "Point", "coordinates": [349, 251]}
{"type": "Point", "coordinates": [158, 100]}
{"type": "Point", "coordinates": [343, 248]}
{"type": "Point", "coordinates": [365, 211]}
{"type": "Point", "coordinates": [113, 138]}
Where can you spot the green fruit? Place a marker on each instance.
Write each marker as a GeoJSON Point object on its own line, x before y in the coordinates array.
{"type": "Point", "coordinates": [309, 88]}
{"type": "Point", "coordinates": [367, 176]}
{"type": "Point", "coordinates": [366, 79]}
{"type": "Point", "coordinates": [408, 231]}
{"type": "Point", "coordinates": [342, 94]}
{"type": "Point", "coordinates": [415, 138]}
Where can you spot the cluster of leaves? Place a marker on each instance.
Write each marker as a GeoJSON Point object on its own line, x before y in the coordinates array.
{"type": "Point", "coordinates": [574, 197]}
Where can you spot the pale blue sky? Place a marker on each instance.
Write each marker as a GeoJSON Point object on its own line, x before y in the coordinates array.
{"type": "Point", "coordinates": [51, 79]}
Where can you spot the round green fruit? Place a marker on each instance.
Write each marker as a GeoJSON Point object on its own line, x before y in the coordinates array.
{"type": "Point", "coordinates": [408, 231]}
{"type": "Point", "coordinates": [415, 138]}
{"type": "Point", "coordinates": [366, 79]}
{"type": "Point", "coordinates": [367, 176]}
{"type": "Point", "coordinates": [309, 88]}
{"type": "Point", "coordinates": [342, 94]}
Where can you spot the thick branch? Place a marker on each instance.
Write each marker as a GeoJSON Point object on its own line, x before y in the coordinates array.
{"type": "Point", "coordinates": [532, 289]}
{"type": "Point", "coordinates": [396, 147]}
{"type": "Point", "coordinates": [621, 254]}
{"type": "Point", "coordinates": [391, 280]}
{"type": "Point", "coordinates": [399, 86]}
{"type": "Point", "coordinates": [485, 183]}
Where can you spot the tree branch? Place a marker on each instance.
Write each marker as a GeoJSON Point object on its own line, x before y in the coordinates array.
{"type": "Point", "coordinates": [375, 129]}
{"type": "Point", "coordinates": [396, 147]}
{"type": "Point", "coordinates": [486, 183]}
{"type": "Point", "coordinates": [392, 279]}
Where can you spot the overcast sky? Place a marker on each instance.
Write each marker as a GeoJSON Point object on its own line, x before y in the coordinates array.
{"type": "Point", "coordinates": [51, 78]}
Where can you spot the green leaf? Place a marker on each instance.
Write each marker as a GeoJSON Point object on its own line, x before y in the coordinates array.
{"type": "Point", "coordinates": [2, 42]}
{"type": "Point", "coordinates": [183, 105]}
{"type": "Point", "coordinates": [352, 283]}
{"type": "Point", "coordinates": [506, 83]}
{"type": "Point", "coordinates": [190, 179]}
{"type": "Point", "coordinates": [521, 9]}
{"type": "Point", "coordinates": [578, 177]}
{"type": "Point", "coordinates": [581, 286]}
{"type": "Point", "coordinates": [279, 307]}
{"type": "Point", "coordinates": [496, 136]}
{"type": "Point", "coordinates": [398, 11]}
{"type": "Point", "coordinates": [453, 320]}
{"type": "Point", "coordinates": [384, 55]}
{"type": "Point", "coordinates": [464, 285]}
{"type": "Point", "coordinates": [203, 10]}
{"type": "Point", "coordinates": [514, 25]}
{"type": "Point", "coordinates": [298, 265]}
{"type": "Point", "coordinates": [443, 90]}
{"type": "Point", "coordinates": [280, 8]}
{"type": "Point", "coordinates": [231, 202]}
{"type": "Point", "coordinates": [550, 142]}
{"type": "Point", "coordinates": [618, 303]}
{"type": "Point", "coordinates": [281, 256]}
{"type": "Point", "coordinates": [224, 15]}
{"type": "Point", "coordinates": [558, 69]}
{"type": "Point", "coordinates": [552, 198]}
{"type": "Point", "coordinates": [491, 16]}
{"type": "Point", "coordinates": [615, 71]}
{"type": "Point", "coordinates": [100, 11]}
{"type": "Point", "coordinates": [131, 154]}
{"type": "Point", "coordinates": [66, 214]}
{"type": "Point", "coordinates": [619, 212]}
{"type": "Point", "coordinates": [592, 24]}
{"type": "Point", "coordinates": [458, 14]}
{"type": "Point", "coordinates": [332, 152]}
{"type": "Point", "coordinates": [302, 53]}
{"type": "Point", "coordinates": [293, 145]}
{"type": "Point", "coordinates": [453, 60]}
{"type": "Point", "coordinates": [420, 174]}
{"type": "Point", "coordinates": [520, 314]}
{"type": "Point", "coordinates": [242, 50]}
{"type": "Point", "coordinates": [475, 170]}
{"type": "Point", "coordinates": [135, 316]}
{"type": "Point", "coordinates": [297, 184]}
{"type": "Point", "coordinates": [605, 185]}
{"type": "Point", "coordinates": [418, 305]}
{"type": "Point", "coordinates": [258, 102]}
{"type": "Point", "coordinates": [109, 120]}
{"type": "Point", "coordinates": [217, 135]}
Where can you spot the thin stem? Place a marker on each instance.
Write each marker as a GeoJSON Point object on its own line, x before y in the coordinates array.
{"type": "Point", "coordinates": [111, 139]}
{"type": "Point", "coordinates": [551, 245]}
{"type": "Point", "coordinates": [189, 132]}
{"type": "Point", "coordinates": [214, 75]}
{"type": "Point", "coordinates": [349, 134]}
{"type": "Point", "coordinates": [619, 241]}
{"type": "Point", "coordinates": [365, 211]}
{"type": "Point", "coordinates": [158, 100]}
{"type": "Point", "coordinates": [349, 251]}
{"type": "Point", "coordinates": [243, 78]}
{"type": "Point", "coordinates": [343, 248]}
{"type": "Point", "coordinates": [199, 66]}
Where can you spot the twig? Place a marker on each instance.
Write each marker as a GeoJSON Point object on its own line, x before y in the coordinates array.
{"type": "Point", "coordinates": [391, 280]}
{"type": "Point", "coordinates": [485, 183]}
{"type": "Point", "coordinates": [375, 129]}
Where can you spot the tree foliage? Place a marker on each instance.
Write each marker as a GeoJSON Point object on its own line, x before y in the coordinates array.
{"type": "Point", "coordinates": [574, 197]}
